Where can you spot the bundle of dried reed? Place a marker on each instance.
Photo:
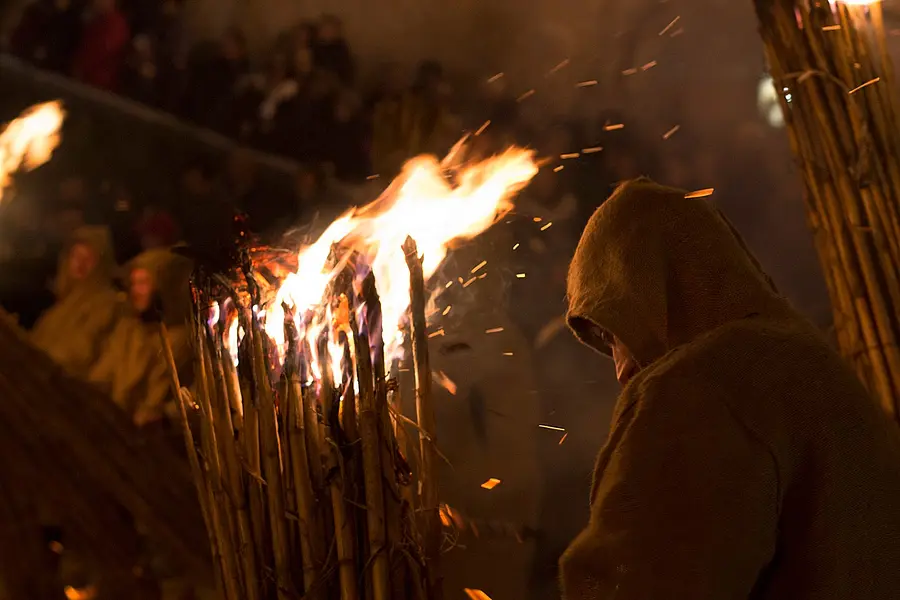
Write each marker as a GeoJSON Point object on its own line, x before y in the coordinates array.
{"type": "Point", "coordinates": [834, 78]}
{"type": "Point", "coordinates": [302, 483]}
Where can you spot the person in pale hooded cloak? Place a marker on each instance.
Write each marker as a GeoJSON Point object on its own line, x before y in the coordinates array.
{"type": "Point", "coordinates": [74, 331]}
{"type": "Point", "coordinates": [745, 459]}
{"type": "Point", "coordinates": [133, 368]}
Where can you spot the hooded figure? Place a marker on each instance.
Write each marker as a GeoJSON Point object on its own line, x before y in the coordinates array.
{"type": "Point", "coordinates": [745, 460]}
{"type": "Point", "coordinates": [133, 367]}
{"type": "Point", "coordinates": [75, 329]}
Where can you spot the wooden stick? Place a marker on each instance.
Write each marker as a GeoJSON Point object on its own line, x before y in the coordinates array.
{"type": "Point", "coordinates": [394, 513]}
{"type": "Point", "coordinates": [236, 492]}
{"type": "Point", "coordinates": [428, 472]}
{"type": "Point", "coordinates": [220, 508]}
{"type": "Point", "coordinates": [344, 535]}
{"type": "Point", "coordinates": [371, 451]}
{"type": "Point", "coordinates": [271, 461]}
{"type": "Point", "coordinates": [310, 532]}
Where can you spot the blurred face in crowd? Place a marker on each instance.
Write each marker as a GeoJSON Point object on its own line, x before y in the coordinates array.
{"type": "Point", "coordinates": [278, 69]}
{"type": "Point", "coordinates": [140, 289]}
{"type": "Point", "coordinates": [82, 262]}
{"type": "Point", "coordinates": [233, 47]}
{"type": "Point", "coordinates": [346, 108]}
{"type": "Point", "coordinates": [303, 61]}
{"type": "Point", "coordinates": [330, 30]}
{"type": "Point", "coordinates": [302, 35]}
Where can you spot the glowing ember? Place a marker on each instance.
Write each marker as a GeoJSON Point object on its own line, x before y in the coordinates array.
{"type": "Point", "coordinates": [73, 593]}
{"type": "Point", "coordinates": [445, 382]}
{"type": "Point", "coordinates": [422, 203]}
{"type": "Point", "coordinates": [29, 141]}
{"type": "Point", "coordinates": [700, 193]}
{"type": "Point", "coordinates": [476, 594]}
{"type": "Point", "coordinates": [490, 483]}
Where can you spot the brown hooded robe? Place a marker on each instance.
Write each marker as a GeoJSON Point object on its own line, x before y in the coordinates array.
{"type": "Point", "coordinates": [74, 330]}
{"type": "Point", "coordinates": [132, 366]}
{"type": "Point", "coordinates": [745, 460]}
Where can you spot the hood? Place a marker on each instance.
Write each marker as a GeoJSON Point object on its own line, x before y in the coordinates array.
{"type": "Point", "coordinates": [171, 274]}
{"type": "Point", "coordinates": [98, 239]}
{"type": "Point", "coordinates": [657, 269]}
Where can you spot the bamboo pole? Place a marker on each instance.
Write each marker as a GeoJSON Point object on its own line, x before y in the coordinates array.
{"type": "Point", "coordinates": [310, 533]}
{"type": "Point", "coordinates": [842, 123]}
{"type": "Point", "coordinates": [371, 451]}
{"type": "Point", "coordinates": [394, 513]}
{"type": "Point", "coordinates": [271, 462]}
{"type": "Point", "coordinates": [219, 506]}
{"type": "Point", "coordinates": [344, 535]}
{"type": "Point", "coordinates": [428, 455]}
{"type": "Point", "coordinates": [235, 489]}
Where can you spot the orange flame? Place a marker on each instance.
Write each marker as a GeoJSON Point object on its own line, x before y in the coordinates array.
{"type": "Point", "coordinates": [28, 141]}
{"type": "Point", "coordinates": [421, 203]}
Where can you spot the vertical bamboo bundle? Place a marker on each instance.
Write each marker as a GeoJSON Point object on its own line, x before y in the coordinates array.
{"type": "Point", "coordinates": [834, 79]}
{"type": "Point", "coordinates": [295, 457]}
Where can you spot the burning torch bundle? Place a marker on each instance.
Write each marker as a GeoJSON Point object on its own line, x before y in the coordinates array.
{"type": "Point", "coordinates": [312, 482]}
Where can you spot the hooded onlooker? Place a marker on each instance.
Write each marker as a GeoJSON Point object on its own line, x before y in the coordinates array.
{"type": "Point", "coordinates": [745, 459]}
{"type": "Point", "coordinates": [132, 368]}
{"type": "Point", "coordinates": [74, 330]}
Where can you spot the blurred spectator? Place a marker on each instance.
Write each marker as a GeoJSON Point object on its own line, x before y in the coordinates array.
{"type": "Point", "coordinates": [346, 144]}
{"type": "Point", "coordinates": [277, 88]}
{"type": "Point", "coordinates": [416, 122]}
{"type": "Point", "coordinates": [308, 195]}
{"type": "Point", "coordinates": [302, 64]}
{"type": "Point", "coordinates": [141, 75]}
{"type": "Point", "coordinates": [48, 33]}
{"type": "Point", "coordinates": [213, 80]}
{"type": "Point", "coordinates": [130, 368]}
{"type": "Point", "coordinates": [331, 51]}
{"type": "Point", "coordinates": [304, 122]}
{"type": "Point", "coordinates": [103, 46]}
{"type": "Point", "coordinates": [74, 329]}
{"type": "Point", "coordinates": [243, 186]}
{"type": "Point", "coordinates": [156, 229]}
{"type": "Point", "coordinates": [206, 215]}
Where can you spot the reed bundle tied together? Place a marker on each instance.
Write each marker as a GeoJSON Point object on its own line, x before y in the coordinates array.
{"type": "Point", "coordinates": [834, 79]}
{"type": "Point", "coordinates": [298, 457]}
